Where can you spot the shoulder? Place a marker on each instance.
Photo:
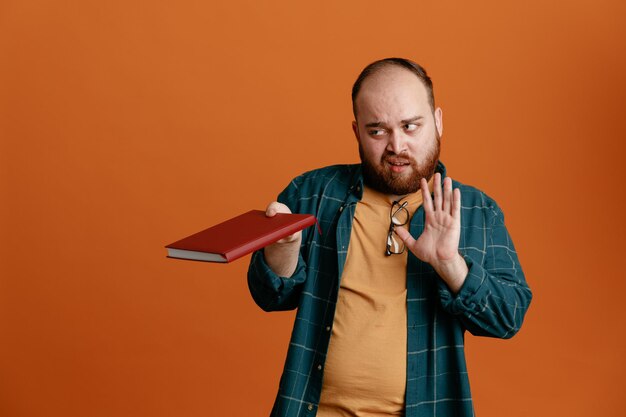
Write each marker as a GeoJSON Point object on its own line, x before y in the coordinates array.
{"type": "Point", "coordinates": [475, 202]}
{"type": "Point", "coordinates": [307, 189]}
{"type": "Point", "coordinates": [339, 171]}
{"type": "Point", "coordinates": [337, 174]}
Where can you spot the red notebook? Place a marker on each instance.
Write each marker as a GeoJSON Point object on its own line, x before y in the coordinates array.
{"type": "Point", "coordinates": [238, 236]}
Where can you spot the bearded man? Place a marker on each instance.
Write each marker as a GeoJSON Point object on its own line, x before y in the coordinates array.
{"type": "Point", "coordinates": [409, 259]}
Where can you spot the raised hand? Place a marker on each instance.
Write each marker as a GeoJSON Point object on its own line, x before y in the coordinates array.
{"type": "Point", "coordinates": [439, 242]}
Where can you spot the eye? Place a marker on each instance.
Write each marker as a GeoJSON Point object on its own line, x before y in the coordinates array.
{"type": "Point", "coordinates": [409, 127]}
{"type": "Point", "coordinates": [376, 132]}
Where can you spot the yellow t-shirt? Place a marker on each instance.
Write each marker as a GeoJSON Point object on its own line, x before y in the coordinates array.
{"type": "Point", "coordinates": [365, 370]}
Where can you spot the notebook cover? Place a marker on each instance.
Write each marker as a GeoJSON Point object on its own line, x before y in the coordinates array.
{"type": "Point", "coordinates": [244, 234]}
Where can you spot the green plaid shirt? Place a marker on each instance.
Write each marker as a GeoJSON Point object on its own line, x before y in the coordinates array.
{"type": "Point", "coordinates": [492, 301]}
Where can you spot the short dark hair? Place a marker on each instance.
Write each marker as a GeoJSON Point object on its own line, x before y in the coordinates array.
{"type": "Point", "coordinates": [376, 66]}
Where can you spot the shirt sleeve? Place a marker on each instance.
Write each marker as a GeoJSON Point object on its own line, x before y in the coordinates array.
{"type": "Point", "coordinates": [495, 296]}
{"type": "Point", "coordinates": [270, 291]}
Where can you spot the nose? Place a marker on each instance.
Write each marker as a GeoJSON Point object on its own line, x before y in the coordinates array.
{"type": "Point", "coordinates": [397, 142]}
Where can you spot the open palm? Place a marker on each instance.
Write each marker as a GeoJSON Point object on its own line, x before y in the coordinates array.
{"type": "Point", "coordinates": [439, 242]}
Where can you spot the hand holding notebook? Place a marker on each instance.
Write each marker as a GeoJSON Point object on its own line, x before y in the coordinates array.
{"type": "Point", "coordinates": [240, 236]}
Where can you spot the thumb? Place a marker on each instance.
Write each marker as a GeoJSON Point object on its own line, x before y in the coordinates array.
{"type": "Point", "coordinates": [405, 236]}
{"type": "Point", "coordinates": [272, 209]}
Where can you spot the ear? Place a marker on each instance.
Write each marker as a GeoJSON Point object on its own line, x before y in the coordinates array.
{"type": "Point", "coordinates": [355, 129]}
{"type": "Point", "coordinates": [439, 120]}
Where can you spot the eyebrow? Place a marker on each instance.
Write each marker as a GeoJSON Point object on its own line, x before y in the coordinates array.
{"type": "Point", "coordinates": [409, 120]}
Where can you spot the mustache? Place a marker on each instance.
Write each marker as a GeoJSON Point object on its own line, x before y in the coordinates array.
{"type": "Point", "coordinates": [395, 158]}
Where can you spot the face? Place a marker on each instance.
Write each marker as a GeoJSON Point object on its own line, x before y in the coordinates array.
{"type": "Point", "coordinates": [397, 131]}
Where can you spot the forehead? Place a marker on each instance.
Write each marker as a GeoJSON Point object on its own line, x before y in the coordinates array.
{"type": "Point", "coordinates": [391, 94]}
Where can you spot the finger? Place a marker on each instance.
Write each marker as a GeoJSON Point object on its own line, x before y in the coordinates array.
{"type": "Point", "coordinates": [406, 237]}
{"type": "Point", "coordinates": [427, 201]}
{"type": "Point", "coordinates": [447, 195]}
{"type": "Point", "coordinates": [437, 191]}
{"type": "Point", "coordinates": [456, 204]}
{"type": "Point", "coordinates": [276, 207]}
{"type": "Point", "coordinates": [270, 211]}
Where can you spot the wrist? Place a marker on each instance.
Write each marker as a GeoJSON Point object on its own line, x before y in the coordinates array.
{"type": "Point", "coordinates": [282, 257]}
{"type": "Point", "coordinates": [452, 271]}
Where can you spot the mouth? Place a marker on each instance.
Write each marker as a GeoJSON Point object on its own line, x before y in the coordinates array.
{"type": "Point", "coordinates": [397, 165]}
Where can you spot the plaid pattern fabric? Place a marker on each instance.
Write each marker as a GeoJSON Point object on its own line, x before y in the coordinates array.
{"type": "Point", "coordinates": [492, 301]}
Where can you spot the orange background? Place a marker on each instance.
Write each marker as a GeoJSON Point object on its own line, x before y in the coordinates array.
{"type": "Point", "coordinates": [126, 125]}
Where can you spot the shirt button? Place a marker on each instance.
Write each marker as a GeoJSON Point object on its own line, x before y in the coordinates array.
{"type": "Point", "coordinates": [328, 328]}
{"type": "Point", "coordinates": [340, 209]}
{"type": "Point", "coordinates": [310, 407]}
{"type": "Point", "coordinates": [319, 367]}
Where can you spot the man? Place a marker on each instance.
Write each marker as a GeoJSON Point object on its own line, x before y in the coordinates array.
{"type": "Point", "coordinates": [385, 295]}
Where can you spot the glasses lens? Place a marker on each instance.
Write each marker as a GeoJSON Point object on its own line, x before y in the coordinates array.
{"type": "Point", "coordinates": [394, 243]}
{"type": "Point", "coordinates": [399, 216]}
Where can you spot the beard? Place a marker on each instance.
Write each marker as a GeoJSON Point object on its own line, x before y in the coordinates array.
{"type": "Point", "coordinates": [379, 177]}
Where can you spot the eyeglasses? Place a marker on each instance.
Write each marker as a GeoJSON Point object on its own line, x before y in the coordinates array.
{"type": "Point", "coordinates": [399, 216]}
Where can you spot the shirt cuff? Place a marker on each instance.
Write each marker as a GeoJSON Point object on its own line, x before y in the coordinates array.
{"type": "Point", "coordinates": [269, 289]}
{"type": "Point", "coordinates": [471, 297]}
